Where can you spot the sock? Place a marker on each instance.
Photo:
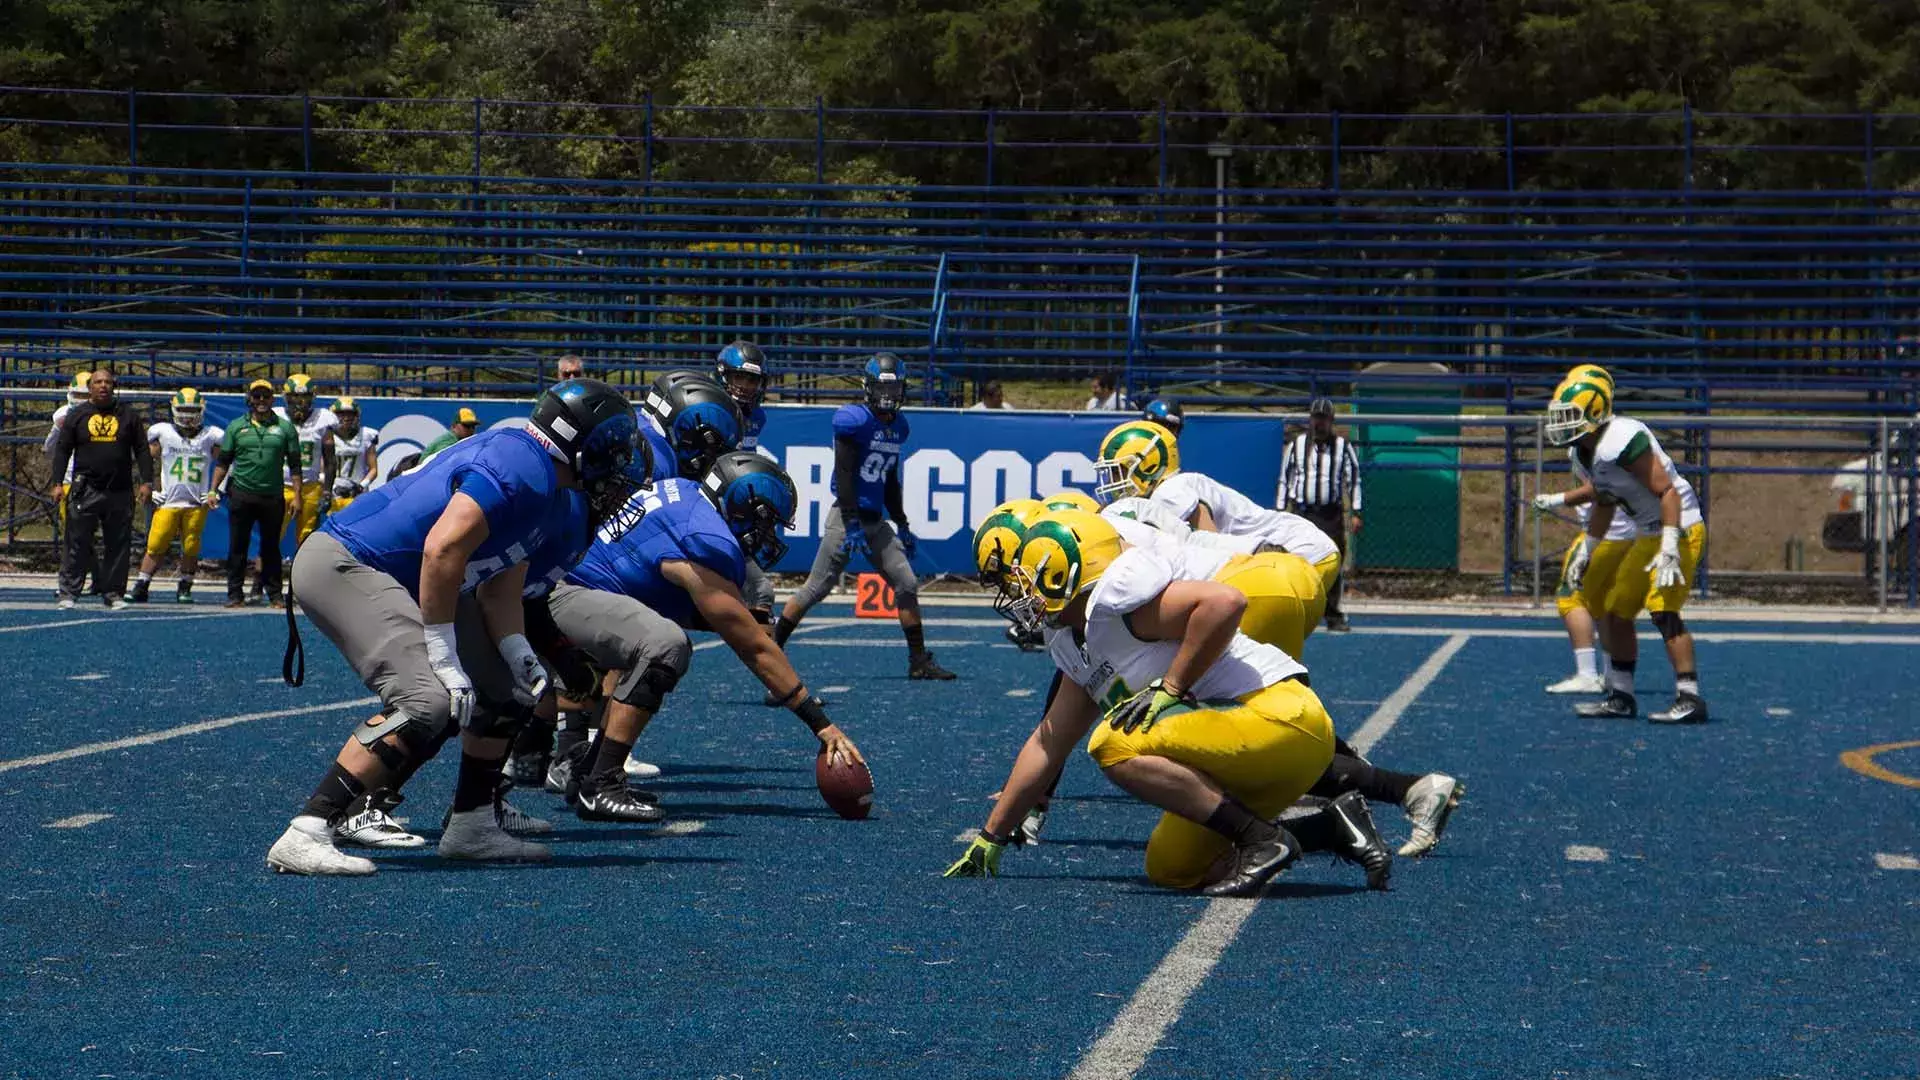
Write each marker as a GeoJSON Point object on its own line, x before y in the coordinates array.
{"type": "Point", "coordinates": [783, 629]}
{"type": "Point", "coordinates": [573, 731]}
{"type": "Point", "coordinates": [1234, 821]}
{"type": "Point", "coordinates": [536, 737]}
{"type": "Point", "coordinates": [916, 639]}
{"type": "Point", "coordinates": [1687, 682]}
{"type": "Point", "coordinates": [1357, 774]}
{"type": "Point", "coordinates": [1620, 676]}
{"type": "Point", "coordinates": [1587, 661]}
{"type": "Point", "coordinates": [187, 580]}
{"type": "Point", "coordinates": [145, 577]}
{"type": "Point", "coordinates": [336, 791]}
{"type": "Point", "coordinates": [609, 757]}
{"type": "Point", "coordinates": [478, 779]}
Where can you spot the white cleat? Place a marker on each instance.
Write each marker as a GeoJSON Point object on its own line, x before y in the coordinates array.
{"type": "Point", "coordinates": [640, 770]}
{"type": "Point", "coordinates": [1430, 801]}
{"type": "Point", "coordinates": [1579, 684]}
{"type": "Point", "coordinates": [477, 835]}
{"type": "Point", "coordinates": [307, 848]}
{"type": "Point", "coordinates": [375, 828]}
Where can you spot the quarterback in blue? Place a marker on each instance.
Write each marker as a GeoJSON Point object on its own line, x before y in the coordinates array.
{"type": "Point", "coordinates": [745, 371]}
{"type": "Point", "coordinates": [388, 579]}
{"type": "Point", "coordinates": [683, 556]}
{"type": "Point", "coordinates": [867, 440]}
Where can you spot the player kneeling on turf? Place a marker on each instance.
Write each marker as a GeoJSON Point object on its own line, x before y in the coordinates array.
{"type": "Point", "coordinates": [1216, 729]}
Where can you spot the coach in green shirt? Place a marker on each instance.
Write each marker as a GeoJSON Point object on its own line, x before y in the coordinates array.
{"type": "Point", "coordinates": [465, 423]}
{"type": "Point", "coordinates": [258, 450]}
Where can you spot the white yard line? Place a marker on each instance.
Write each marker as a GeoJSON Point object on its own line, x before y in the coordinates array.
{"type": "Point", "coordinates": [120, 617]}
{"type": "Point", "coordinates": [151, 737]}
{"type": "Point", "coordinates": [1886, 861]}
{"type": "Point", "coordinates": [1123, 1049]}
{"type": "Point", "coordinates": [78, 821]}
{"type": "Point", "coordinates": [1586, 853]}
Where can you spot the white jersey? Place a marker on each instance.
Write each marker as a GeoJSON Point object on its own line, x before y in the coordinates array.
{"type": "Point", "coordinates": [1622, 526]}
{"type": "Point", "coordinates": [1621, 444]}
{"type": "Point", "coordinates": [186, 463]}
{"type": "Point", "coordinates": [53, 433]}
{"type": "Point", "coordinates": [1113, 665]}
{"type": "Point", "coordinates": [320, 424]}
{"type": "Point", "coordinates": [350, 458]}
{"type": "Point", "coordinates": [1168, 530]}
{"type": "Point", "coordinates": [1237, 515]}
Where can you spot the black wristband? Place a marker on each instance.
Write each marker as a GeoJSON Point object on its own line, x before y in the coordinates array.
{"type": "Point", "coordinates": [813, 713]}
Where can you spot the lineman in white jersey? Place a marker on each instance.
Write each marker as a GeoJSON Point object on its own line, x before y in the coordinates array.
{"type": "Point", "coordinates": [316, 455]}
{"type": "Point", "coordinates": [356, 450]}
{"type": "Point", "coordinates": [1632, 475]}
{"type": "Point", "coordinates": [1216, 729]}
{"type": "Point", "coordinates": [186, 451]}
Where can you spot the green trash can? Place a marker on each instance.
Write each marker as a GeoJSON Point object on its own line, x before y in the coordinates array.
{"type": "Point", "coordinates": [1412, 507]}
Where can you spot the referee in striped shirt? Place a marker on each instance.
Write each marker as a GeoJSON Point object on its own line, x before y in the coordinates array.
{"type": "Point", "coordinates": [1318, 475]}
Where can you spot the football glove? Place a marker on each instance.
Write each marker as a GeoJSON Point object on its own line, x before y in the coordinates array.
{"type": "Point", "coordinates": [1546, 501]}
{"type": "Point", "coordinates": [1577, 562]}
{"type": "Point", "coordinates": [1665, 566]}
{"type": "Point", "coordinates": [856, 539]}
{"type": "Point", "coordinates": [443, 657]}
{"type": "Point", "coordinates": [1143, 709]}
{"type": "Point", "coordinates": [529, 674]}
{"type": "Point", "coordinates": [1026, 638]}
{"type": "Point", "coordinates": [909, 543]}
{"type": "Point", "coordinates": [981, 860]}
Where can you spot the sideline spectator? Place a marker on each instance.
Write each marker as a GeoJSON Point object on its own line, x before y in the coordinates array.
{"type": "Point", "coordinates": [992, 396]}
{"type": "Point", "coordinates": [570, 367]}
{"type": "Point", "coordinates": [1318, 474]}
{"type": "Point", "coordinates": [1106, 394]}
{"type": "Point", "coordinates": [76, 395]}
{"type": "Point", "coordinates": [465, 423]}
{"type": "Point", "coordinates": [257, 451]}
{"type": "Point", "coordinates": [103, 439]}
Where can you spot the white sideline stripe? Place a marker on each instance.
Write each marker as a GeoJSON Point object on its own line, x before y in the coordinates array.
{"type": "Point", "coordinates": [681, 828]}
{"type": "Point", "coordinates": [1584, 853]}
{"type": "Point", "coordinates": [1123, 1049]}
{"type": "Point", "coordinates": [151, 737]}
{"type": "Point", "coordinates": [78, 821]}
{"type": "Point", "coordinates": [120, 618]}
{"type": "Point", "coordinates": [1895, 862]}
{"type": "Point", "coordinates": [890, 643]}
{"type": "Point", "coordinates": [1699, 635]}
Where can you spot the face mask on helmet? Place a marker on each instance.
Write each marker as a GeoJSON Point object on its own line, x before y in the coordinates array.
{"type": "Point", "coordinates": [349, 423]}
{"type": "Point", "coordinates": [701, 433]}
{"type": "Point", "coordinates": [742, 369]}
{"type": "Point", "coordinates": [756, 500]}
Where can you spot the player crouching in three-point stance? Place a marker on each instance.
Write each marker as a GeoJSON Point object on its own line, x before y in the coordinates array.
{"type": "Point", "coordinates": [1216, 729]}
{"type": "Point", "coordinates": [1627, 469]}
{"type": "Point", "coordinates": [385, 579]}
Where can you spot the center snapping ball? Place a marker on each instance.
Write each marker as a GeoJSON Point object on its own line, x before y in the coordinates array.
{"type": "Point", "coordinates": [847, 787]}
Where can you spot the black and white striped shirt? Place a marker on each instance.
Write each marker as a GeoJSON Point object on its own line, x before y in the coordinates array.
{"type": "Point", "coordinates": [1316, 474]}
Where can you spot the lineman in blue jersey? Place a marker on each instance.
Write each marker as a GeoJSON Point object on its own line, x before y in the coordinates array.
{"type": "Point", "coordinates": [744, 370]}
{"type": "Point", "coordinates": [695, 419]}
{"type": "Point", "coordinates": [684, 557]}
{"type": "Point", "coordinates": [867, 441]}
{"type": "Point", "coordinates": [385, 578]}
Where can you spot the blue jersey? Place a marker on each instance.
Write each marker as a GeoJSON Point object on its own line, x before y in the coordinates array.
{"type": "Point", "coordinates": [666, 464]}
{"type": "Point", "coordinates": [679, 523]}
{"type": "Point", "coordinates": [879, 451]}
{"type": "Point", "coordinates": [506, 471]}
{"type": "Point", "coordinates": [755, 421]}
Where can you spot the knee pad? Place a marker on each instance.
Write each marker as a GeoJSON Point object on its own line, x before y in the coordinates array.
{"type": "Point", "coordinates": [1669, 624]}
{"type": "Point", "coordinates": [647, 687]}
{"type": "Point", "coordinates": [418, 739]}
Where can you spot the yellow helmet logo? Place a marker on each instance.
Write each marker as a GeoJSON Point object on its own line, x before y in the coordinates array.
{"type": "Point", "coordinates": [994, 544]}
{"type": "Point", "coordinates": [1579, 406]}
{"type": "Point", "coordinates": [1071, 500]}
{"type": "Point", "coordinates": [1063, 555]}
{"type": "Point", "coordinates": [1134, 458]}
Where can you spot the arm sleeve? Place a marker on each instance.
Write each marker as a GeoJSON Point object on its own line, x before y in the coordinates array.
{"type": "Point", "coordinates": [62, 450]}
{"type": "Point", "coordinates": [1351, 463]}
{"type": "Point", "coordinates": [896, 499]}
{"type": "Point", "coordinates": [846, 475]}
{"type": "Point", "coordinates": [142, 453]}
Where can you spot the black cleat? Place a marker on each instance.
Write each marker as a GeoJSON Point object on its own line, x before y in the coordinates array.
{"type": "Point", "coordinates": [183, 593]}
{"type": "Point", "coordinates": [560, 779]}
{"type": "Point", "coordinates": [922, 666]}
{"type": "Point", "coordinates": [1337, 624]}
{"type": "Point", "coordinates": [1617, 705]}
{"type": "Point", "coordinates": [1359, 842]}
{"type": "Point", "coordinates": [1687, 709]}
{"type": "Point", "coordinates": [139, 593]}
{"type": "Point", "coordinates": [1256, 864]}
{"type": "Point", "coordinates": [610, 799]}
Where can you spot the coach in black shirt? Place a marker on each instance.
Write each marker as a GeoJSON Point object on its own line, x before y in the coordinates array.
{"type": "Point", "coordinates": [104, 439]}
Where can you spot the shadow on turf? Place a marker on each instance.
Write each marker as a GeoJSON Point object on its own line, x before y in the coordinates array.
{"type": "Point", "coordinates": [432, 864]}
{"type": "Point", "coordinates": [1281, 889]}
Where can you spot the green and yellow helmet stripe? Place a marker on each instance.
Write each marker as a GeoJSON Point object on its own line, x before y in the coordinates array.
{"type": "Point", "coordinates": [1064, 554]}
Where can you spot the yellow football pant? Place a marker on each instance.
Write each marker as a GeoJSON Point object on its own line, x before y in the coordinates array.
{"type": "Point", "coordinates": [1328, 569]}
{"type": "Point", "coordinates": [1603, 568]}
{"type": "Point", "coordinates": [1285, 600]}
{"type": "Point", "coordinates": [339, 504]}
{"type": "Point", "coordinates": [308, 515]}
{"type": "Point", "coordinates": [186, 522]}
{"type": "Point", "coordinates": [1632, 587]}
{"type": "Point", "coordinates": [1607, 554]}
{"type": "Point", "coordinates": [1266, 749]}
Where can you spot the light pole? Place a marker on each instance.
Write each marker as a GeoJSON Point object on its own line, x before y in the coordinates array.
{"type": "Point", "coordinates": [1221, 153]}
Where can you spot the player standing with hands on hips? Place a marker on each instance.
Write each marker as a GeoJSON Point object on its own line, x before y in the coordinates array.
{"type": "Point", "coordinates": [867, 441]}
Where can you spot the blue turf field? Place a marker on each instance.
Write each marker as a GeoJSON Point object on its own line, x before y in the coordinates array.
{"type": "Point", "coordinates": [1739, 925]}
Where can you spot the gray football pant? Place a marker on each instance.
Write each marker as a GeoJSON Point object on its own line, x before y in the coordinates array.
{"type": "Point", "coordinates": [831, 561]}
{"type": "Point", "coordinates": [618, 633]}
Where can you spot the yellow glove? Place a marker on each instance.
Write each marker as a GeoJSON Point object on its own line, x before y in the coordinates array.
{"type": "Point", "coordinates": [1142, 709]}
{"type": "Point", "coordinates": [981, 860]}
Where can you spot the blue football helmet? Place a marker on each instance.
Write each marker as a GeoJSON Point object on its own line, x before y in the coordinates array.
{"type": "Point", "coordinates": [596, 430]}
{"type": "Point", "coordinates": [743, 369]}
{"type": "Point", "coordinates": [757, 499]}
{"type": "Point", "coordinates": [885, 381]}
{"type": "Point", "coordinates": [1168, 414]}
{"type": "Point", "coordinates": [698, 417]}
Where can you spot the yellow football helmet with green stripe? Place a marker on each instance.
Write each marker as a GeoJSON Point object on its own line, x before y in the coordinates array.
{"type": "Point", "coordinates": [1134, 458]}
{"type": "Point", "coordinates": [999, 536]}
{"type": "Point", "coordinates": [1580, 405]}
{"type": "Point", "coordinates": [80, 388]}
{"type": "Point", "coordinates": [1064, 553]}
{"type": "Point", "coordinates": [298, 390]}
{"type": "Point", "coordinates": [188, 410]}
{"type": "Point", "coordinates": [1591, 373]}
{"type": "Point", "coordinates": [1071, 499]}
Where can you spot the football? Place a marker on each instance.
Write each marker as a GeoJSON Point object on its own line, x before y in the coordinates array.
{"type": "Point", "coordinates": [847, 787]}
